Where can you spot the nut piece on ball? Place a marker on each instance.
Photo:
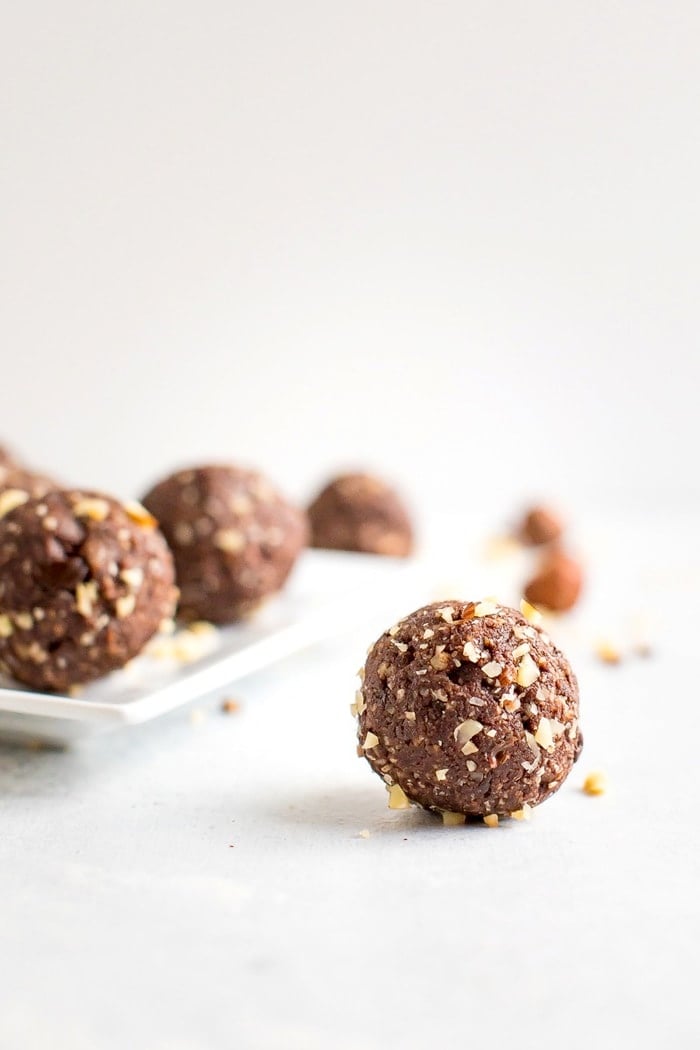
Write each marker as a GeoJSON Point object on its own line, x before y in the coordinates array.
{"type": "Point", "coordinates": [540, 525]}
{"type": "Point", "coordinates": [85, 581]}
{"type": "Point", "coordinates": [234, 538]}
{"type": "Point", "coordinates": [470, 709]}
{"type": "Point", "coordinates": [357, 512]}
{"type": "Point", "coordinates": [557, 584]}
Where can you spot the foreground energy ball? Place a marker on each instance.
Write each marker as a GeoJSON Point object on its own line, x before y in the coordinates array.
{"type": "Point", "coordinates": [85, 581]}
{"type": "Point", "coordinates": [467, 708]}
{"type": "Point", "coordinates": [235, 539]}
{"type": "Point", "coordinates": [357, 512]}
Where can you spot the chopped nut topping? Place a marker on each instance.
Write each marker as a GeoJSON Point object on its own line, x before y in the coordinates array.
{"type": "Point", "coordinates": [24, 621]}
{"type": "Point", "coordinates": [527, 672]}
{"type": "Point", "coordinates": [11, 498]}
{"type": "Point", "coordinates": [6, 627]}
{"type": "Point", "coordinates": [486, 608]}
{"type": "Point", "coordinates": [394, 630]}
{"type": "Point", "coordinates": [520, 650]}
{"type": "Point", "coordinates": [441, 774]}
{"type": "Point", "coordinates": [124, 606]}
{"type": "Point", "coordinates": [138, 514]}
{"type": "Point", "coordinates": [371, 740]}
{"type": "Point", "coordinates": [469, 748]}
{"type": "Point", "coordinates": [531, 614]}
{"type": "Point", "coordinates": [91, 507]}
{"type": "Point", "coordinates": [490, 732]}
{"type": "Point", "coordinates": [491, 820]}
{"type": "Point", "coordinates": [401, 646]}
{"type": "Point", "coordinates": [595, 784]}
{"type": "Point", "coordinates": [132, 577]}
{"type": "Point", "coordinates": [359, 704]}
{"type": "Point", "coordinates": [471, 652]}
{"type": "Point", "coordinates": [410, 716]}
{"type": "Point", "coordinates": [440, 660]}
{"type": "Point", "coordinates": [85, 596]}
{"type": "Point", "coordinates": [183, 533]}
{"type": "Point", "coordinates": [522, 814]}
{"type": "Point", "coordinates": [452, 820]}
{"type": "Point", "coordinates": [446, 613]}
{"type": "Point", "coordinates": [428, 632]}
{"type": "Point", "coordinates": [466, 730]}
{"type": "Point", "coordinates": [229, 540]}
{"type": "Point", "coordinates": [543, 735]}
{"type": "Point", "coordinates": [492, 669]}
{"type": "Point", "coordinates": [397, 798]}
{"type": "Point", "coordinates": [471, 766]}
{"type": "Point", "coordinates": [532, 744]}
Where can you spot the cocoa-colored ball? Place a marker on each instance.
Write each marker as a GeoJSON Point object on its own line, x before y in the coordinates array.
{"type": "Point", "coordinates": [469, 709]}
{"type": "Point", "coordinates": [234, 537]}
{"type": "Point", "coordinates": [557, 584]}
{"type": "Point", "coordinates": [17, 479]}
{"type": "Point", "coordinates": [540, 525]}
{"type": "Point", "coordinates": [358, 512]}
{"type": "Point", "coordinates": [85, 581]}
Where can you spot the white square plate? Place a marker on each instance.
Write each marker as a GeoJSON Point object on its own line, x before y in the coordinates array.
{"type": "Point", "coordinates": [329, 592]}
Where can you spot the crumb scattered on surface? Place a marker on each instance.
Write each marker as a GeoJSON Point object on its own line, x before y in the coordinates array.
{"type": "Point", "coordinates": [491, 820]}
{"type": "Point", "coordinates": [452, 820]}
{"type": "Point", "coordinates": [365, 833]}
{"type": "Point", "coordinates": [197, 716]}
{"type": "Point", "coordinates": [596, 783]}
{"type": "Point", "coordinates": [608, 653]}
{"type": "Point", "coordinates": [230, 706]}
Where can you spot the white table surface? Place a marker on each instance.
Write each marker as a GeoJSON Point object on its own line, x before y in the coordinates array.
{"type": "Point", "coordinates": [201, 882]}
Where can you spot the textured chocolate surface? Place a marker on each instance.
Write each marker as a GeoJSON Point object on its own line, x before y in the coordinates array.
{"type": "Point", "coordinates": [470, 709]}
{"type": "Point", "coordinates": [235, 539]}
{"type": "Point", "coordinates": [85, 581]}
{"type": "Point", "coordinates": [357, 512]}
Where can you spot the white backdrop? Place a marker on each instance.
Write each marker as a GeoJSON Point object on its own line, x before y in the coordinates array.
{"type": "Point", "coordinates": [455, 241]}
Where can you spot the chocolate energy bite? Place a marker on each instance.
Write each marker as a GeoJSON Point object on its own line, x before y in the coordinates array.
{"type": "Point", "coordinates": [85, 581]}
{"type": "Point", "coordinates": [357, 512]}
{"type": "Point", "coordinates": [468, 708]}
{"type": "Point", "coordinates": [557, 584]}
{"type": "Point", "coordinates": [539, 526]}
{"type": "Point", "coordinates": [234, 537]}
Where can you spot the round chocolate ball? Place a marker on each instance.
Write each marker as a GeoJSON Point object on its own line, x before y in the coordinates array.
{"type": "Point", "coordinates": [358, 512]}
{"type": "Point", "coordinates": [539, 526]}
{"type": "Point", "coordinates": [235, 539]}
{"type": "Point", "coordinates": [85, 581]}
{"type": "Point", "coordinates": [469, 709]}
{"type": "Point", "coordinates": [557, 584]}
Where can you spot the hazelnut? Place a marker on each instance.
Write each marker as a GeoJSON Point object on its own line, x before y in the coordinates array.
{"type": "Point", "coordinates": [557, 584]}
{"type": "Point", "coordinates": [540, 525]}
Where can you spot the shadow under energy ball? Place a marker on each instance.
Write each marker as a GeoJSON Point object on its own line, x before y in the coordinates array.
{"type": "Point", "coordinates": [234, 538]}
{"type": "Point", "coordinates": [469, 709]}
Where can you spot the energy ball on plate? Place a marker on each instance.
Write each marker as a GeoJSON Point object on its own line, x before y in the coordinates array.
{"type": "Point", "coordinates": [468, 708]}
{"type": "Point", "coordinates": [235, 539]}
{"type": "Point", "coordinates": [85, 581]}
{"type": "Point", "coordinates": [358, 512]}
